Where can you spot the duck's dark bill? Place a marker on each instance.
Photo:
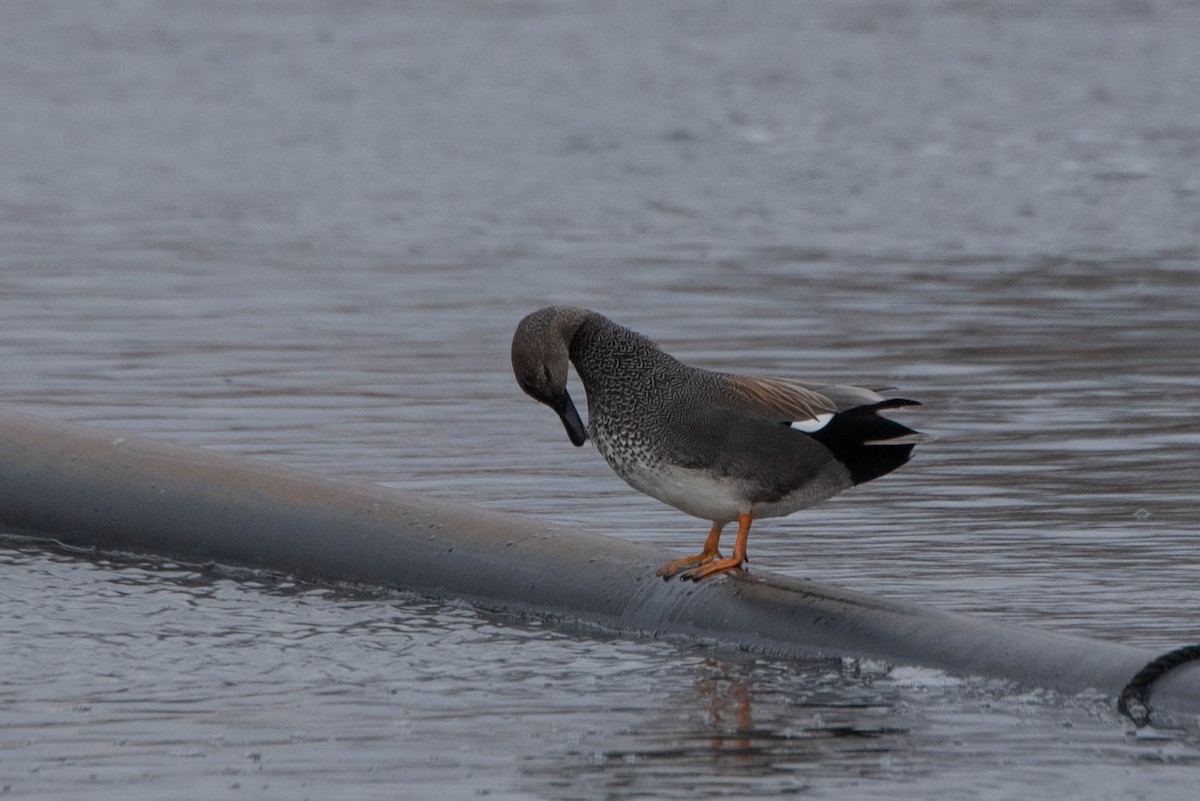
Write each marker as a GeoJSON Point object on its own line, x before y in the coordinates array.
{"type": "Point", "coordinates": [570, 418]}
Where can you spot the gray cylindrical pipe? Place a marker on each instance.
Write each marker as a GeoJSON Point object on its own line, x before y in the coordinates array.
{"type": "Point", "coordinates": [92, 488]}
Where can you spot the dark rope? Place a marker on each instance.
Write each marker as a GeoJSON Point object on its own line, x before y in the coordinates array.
{"type": "Point", "coordinates": [1133, 703]}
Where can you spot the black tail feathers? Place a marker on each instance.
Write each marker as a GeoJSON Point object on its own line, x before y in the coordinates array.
{"type": "Point", "coordinates": [868, 444]}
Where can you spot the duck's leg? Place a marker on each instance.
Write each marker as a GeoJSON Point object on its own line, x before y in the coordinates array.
{"type": "Point", "coordinates": [709, 553]}
{"type": "Point", "coordinates": [732, 563]}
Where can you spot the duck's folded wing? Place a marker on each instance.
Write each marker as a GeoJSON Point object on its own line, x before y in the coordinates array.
{"type": "Point", "coordinates": [843, 396]}
{"type": "Point", "coordinates": [780, 400]}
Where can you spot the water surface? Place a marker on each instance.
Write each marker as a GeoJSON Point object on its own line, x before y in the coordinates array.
{"type": "Point", "coordinates": [304, 232]}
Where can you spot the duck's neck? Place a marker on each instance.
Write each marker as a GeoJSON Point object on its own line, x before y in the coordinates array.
{"type": "Point", "coordinates": [618, 365]}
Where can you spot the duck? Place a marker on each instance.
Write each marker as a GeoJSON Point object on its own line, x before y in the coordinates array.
{"type": "Point", "coordinates": [718, 446]}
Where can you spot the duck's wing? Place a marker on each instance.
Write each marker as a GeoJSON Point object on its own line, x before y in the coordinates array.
{"type": "Point", "coordinates": [780, 400]}
{"type": "Point", "coordinates": [843, 396]}
{"type": "Point", "coordinates": [804, 405]}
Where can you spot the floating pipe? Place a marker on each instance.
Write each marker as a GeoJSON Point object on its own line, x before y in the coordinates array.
{"type": "Point", "coordinates": [112, 491]}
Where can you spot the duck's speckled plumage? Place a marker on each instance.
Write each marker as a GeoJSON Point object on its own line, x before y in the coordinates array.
{"type": "Point", "coordinates": [714, 445]}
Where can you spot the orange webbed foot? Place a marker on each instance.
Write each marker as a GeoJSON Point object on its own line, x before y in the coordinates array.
{"type": "Point", "coordinates": [709, 553]}
{"type": "Point", "coordinates": [713, 568]}
{"type": "Point", "coordinates": [676, 566]}
{"type": "Point", "coordinates": [734, 562]}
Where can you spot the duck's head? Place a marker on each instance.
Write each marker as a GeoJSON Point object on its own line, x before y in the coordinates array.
{"type": "Point", "coordinates": [540, 357]}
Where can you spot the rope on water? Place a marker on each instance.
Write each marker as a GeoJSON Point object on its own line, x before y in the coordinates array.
{"type": "Point", "coordinates": [1132, 703]}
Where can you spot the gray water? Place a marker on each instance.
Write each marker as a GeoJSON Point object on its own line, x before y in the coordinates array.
{"type": "Point", "coordinates": [304, 232]}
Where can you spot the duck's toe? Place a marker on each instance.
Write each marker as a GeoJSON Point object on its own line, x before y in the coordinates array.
{"type": "Point", "coordinates": [713, 568]}
{"type": "Point", "coordinates": [676, 566]}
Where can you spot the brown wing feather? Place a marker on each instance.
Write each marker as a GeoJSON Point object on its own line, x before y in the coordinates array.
{"type": "Point", "coordinates": [779, 399]}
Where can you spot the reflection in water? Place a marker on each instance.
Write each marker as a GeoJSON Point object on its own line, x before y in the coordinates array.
{"type": "Point", "coordinates": [717, 731]}
{"type": "Point", "coordinates": [812, 715]}
{"type": "Point", "coordinates": [726, 700]}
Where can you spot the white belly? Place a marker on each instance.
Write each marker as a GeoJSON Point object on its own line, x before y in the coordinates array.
{"type": "Point", "coordinates": [694, 492]}
{"type": "Point", "coordinates": [700, 494]}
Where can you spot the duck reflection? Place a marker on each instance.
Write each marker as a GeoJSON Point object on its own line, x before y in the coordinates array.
{"type": "Point", "coordinates": [762, 716]}
{"type": "Point", "coordinates": [746, 726]}
{"type": "Point", "coordinates": [724, 693]}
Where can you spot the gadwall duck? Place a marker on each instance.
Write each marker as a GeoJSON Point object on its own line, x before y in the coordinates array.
{"type": "Point", "coordinates": [718, 446]}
